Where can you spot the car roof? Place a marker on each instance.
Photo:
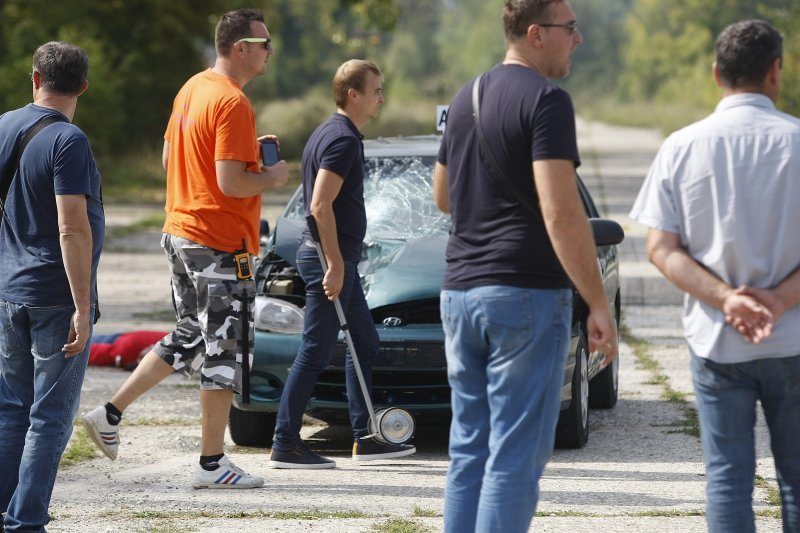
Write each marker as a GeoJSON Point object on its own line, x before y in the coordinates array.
{"type": "Point", "coordinates": [416, 145]}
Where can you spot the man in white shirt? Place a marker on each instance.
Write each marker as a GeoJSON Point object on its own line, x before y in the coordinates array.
{"type": "Point", "coordinates": [721, 203]}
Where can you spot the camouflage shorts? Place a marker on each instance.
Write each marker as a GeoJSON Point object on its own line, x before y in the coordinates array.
{"type": "Point", "coordinates": [208, 305]}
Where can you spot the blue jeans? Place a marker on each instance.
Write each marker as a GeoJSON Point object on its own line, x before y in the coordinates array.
{"type": "Point", "coordinates": [320, 332]}
{"type": "Point", "coordinates": [726, 403]}
{"type": "Point", "coordinates": [506, 350]}
{"type": "Point", "coordinates": [39, 397]}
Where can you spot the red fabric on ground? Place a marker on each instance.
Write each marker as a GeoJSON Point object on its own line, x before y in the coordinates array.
{"type": "Point", "coordinates": [126, 349]}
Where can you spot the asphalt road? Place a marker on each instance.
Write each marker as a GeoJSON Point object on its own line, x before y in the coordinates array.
{"type": "Point", "coordinates": [641, 470]}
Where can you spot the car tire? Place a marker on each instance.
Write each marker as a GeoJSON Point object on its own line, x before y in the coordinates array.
{"type": "Point", "coordinates": [604, 388]}
{"type": "Point", "coordinates": [252, 428]}
{"type": "Point", "coordinates": [572, 430]}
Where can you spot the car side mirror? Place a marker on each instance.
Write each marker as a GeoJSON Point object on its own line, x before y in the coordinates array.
{"type": "Point", "coordinates": [263, 230]}
{"type": "Point", "coordinates": [606, 232]}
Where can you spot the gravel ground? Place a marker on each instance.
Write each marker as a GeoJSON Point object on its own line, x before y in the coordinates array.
{"type": "Point", "coordinates": [639, 472]}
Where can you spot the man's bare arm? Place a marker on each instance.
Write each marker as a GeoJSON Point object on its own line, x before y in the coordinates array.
{"type": "Point", "coordinates": [165, 155]}
{"type": "Point", "coordinates": [236, 181]}
{"type": "Point", "coordinates": [75, 235]}
{"type": "Point", "coordinates": [573, 242]}
{"type": "Point", "coordinates": [667, 253]}
{"type": "Point", "coordinates": [440, 193]}
{"type": "Point", "coordinates": [326, 189]}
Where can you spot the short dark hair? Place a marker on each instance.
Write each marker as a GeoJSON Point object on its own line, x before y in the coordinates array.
{"type": "Point", "coordinates": [63, 67]}
{"type": "Point", "coordinates": [234, 25]}
{"type": "Point", "coordinates": [352, 74]}
{"type": "Point", "coordinates": [518, 15]}
{"type": "Point", "coordinates": [746, 51]}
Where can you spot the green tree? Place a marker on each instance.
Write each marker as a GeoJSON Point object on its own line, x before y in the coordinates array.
{"type": "Point", "coordinates": [787, 19]}
{"type": "Point", "coordinates": [411, 59]}
{"type": "Point", "coordinates": [669, 49]}
{"type": "Point", "coordinates": [670, 46]}
{"type": "Point", "coordinates": [597, 63]}
{"type": "Point", "coordinates": [313, 37]}
{"type": "Point", "coordinates": [141, 52]}
{"type": "Point", "coordinates": [471, 40]}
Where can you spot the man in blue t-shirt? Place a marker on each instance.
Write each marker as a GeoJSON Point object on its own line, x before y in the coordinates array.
{"type": "Point", "coordinates": [333, 191]}
{"type": "Point", "coordinates": [51, 234]}
{"type": "Point", "coordinates": [506, 299]}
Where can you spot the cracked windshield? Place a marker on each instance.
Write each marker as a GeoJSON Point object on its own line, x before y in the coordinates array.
{"type": "Point", "coordinates": [399, 199]}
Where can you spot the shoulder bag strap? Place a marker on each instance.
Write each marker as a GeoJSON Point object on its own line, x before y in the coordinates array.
{"type": "Point", "coordinates": [493, 167]}
{"type": "Point", "coordinates": [5, 184]}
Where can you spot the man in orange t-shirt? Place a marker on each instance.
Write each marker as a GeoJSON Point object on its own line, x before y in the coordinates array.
{"type": "Point", "coordinates": [214, 183]}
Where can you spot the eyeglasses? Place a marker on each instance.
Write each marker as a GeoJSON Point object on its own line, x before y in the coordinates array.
{"type": "Point", "coordinates": [571, 26]}
{"type": "Point", "coordinates": [266, 41]}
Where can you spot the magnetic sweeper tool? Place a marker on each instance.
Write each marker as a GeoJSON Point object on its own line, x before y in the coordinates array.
{"type": "Point", "coordinates": [392, 425]}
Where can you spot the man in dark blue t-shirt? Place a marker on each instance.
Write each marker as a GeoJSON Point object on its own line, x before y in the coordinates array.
{"type": "Point", "coordinates": [333, 191]}
{"type": "Point", "coordinates": [51, 235]}
{"type": "Point", "coordinates": [506, 300]}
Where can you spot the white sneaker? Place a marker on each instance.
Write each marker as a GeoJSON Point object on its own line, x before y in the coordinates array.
{"type": "Point", "coordinates": [226, 476]}
{"type": "Point", "coordinates": [104, 435]}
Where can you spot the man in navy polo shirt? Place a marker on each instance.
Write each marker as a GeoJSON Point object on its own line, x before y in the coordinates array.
{"type": "Point", "coordinates": [333, 192]}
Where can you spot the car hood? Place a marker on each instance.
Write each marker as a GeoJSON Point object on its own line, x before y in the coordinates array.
{"type": "Point", "coordinates": [393, 271]}
{"type": "Point", "coordinates": [399, 271]}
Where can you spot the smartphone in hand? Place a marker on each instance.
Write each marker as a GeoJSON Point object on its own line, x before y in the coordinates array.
{"type": "Point", "coordinates": [269, 152]}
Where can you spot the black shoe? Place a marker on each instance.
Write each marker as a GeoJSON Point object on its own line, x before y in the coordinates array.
{"type": "Point", "coordinates": [372, 450]}
{"type": "Point", "coordinates": [299, 457]}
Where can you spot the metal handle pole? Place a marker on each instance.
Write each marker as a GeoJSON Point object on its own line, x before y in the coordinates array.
{"type": "Point", "coordinates": [312, 227]}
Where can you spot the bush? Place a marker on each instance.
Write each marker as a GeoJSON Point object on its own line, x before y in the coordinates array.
{"type": "Point", "coordinates": [294, 120]}
{"type": "Point", "coordinates": [134, 177]}
{"type": "Point", "coordinates": [404, 118]}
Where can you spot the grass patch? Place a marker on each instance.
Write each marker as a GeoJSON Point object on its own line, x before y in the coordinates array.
{"type": "Point", "coordinates": [642, 351]}
{"type": "Point", "coordinates": [567, 514]}
{"type": "Point", "coordinates": [773, 493]}
{"type": "Point", "coordinates": [773, 496]}
{"type": "Point", "coordinates": [194, 384]}
{"type": "Point", "coordinates": [80, 448]}
{"type": "Point", "coordinates": [317, 515]}
{"type": "Point", "coordinates": [137, 177]}
{"type": "Point", "coordinates": [639, 514]}
{"type": "Point", "coordinates": [426, 513]}
{"type": "Point", "coordinates": [154, 221]}
{"type": "Point", "coordinates": [668, 514]}
{"type": "Point", "coordinates": [275, 515]}
{"type": "Point", "coordinates": [400, 525]}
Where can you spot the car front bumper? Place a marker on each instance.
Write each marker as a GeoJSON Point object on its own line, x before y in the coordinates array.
{"type": "Point", "coordinates": [410, 372]}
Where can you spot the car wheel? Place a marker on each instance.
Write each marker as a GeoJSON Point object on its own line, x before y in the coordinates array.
{"type": "Point", "coordinates": [572, 430]}
{"type": "Point", "coordinates": [252, 428]}
{"type": "Point", "coordinates": [604, 388]}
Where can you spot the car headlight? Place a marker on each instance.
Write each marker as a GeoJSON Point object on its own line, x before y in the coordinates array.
{"type": "Point", "coordinates": [278, 315]}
